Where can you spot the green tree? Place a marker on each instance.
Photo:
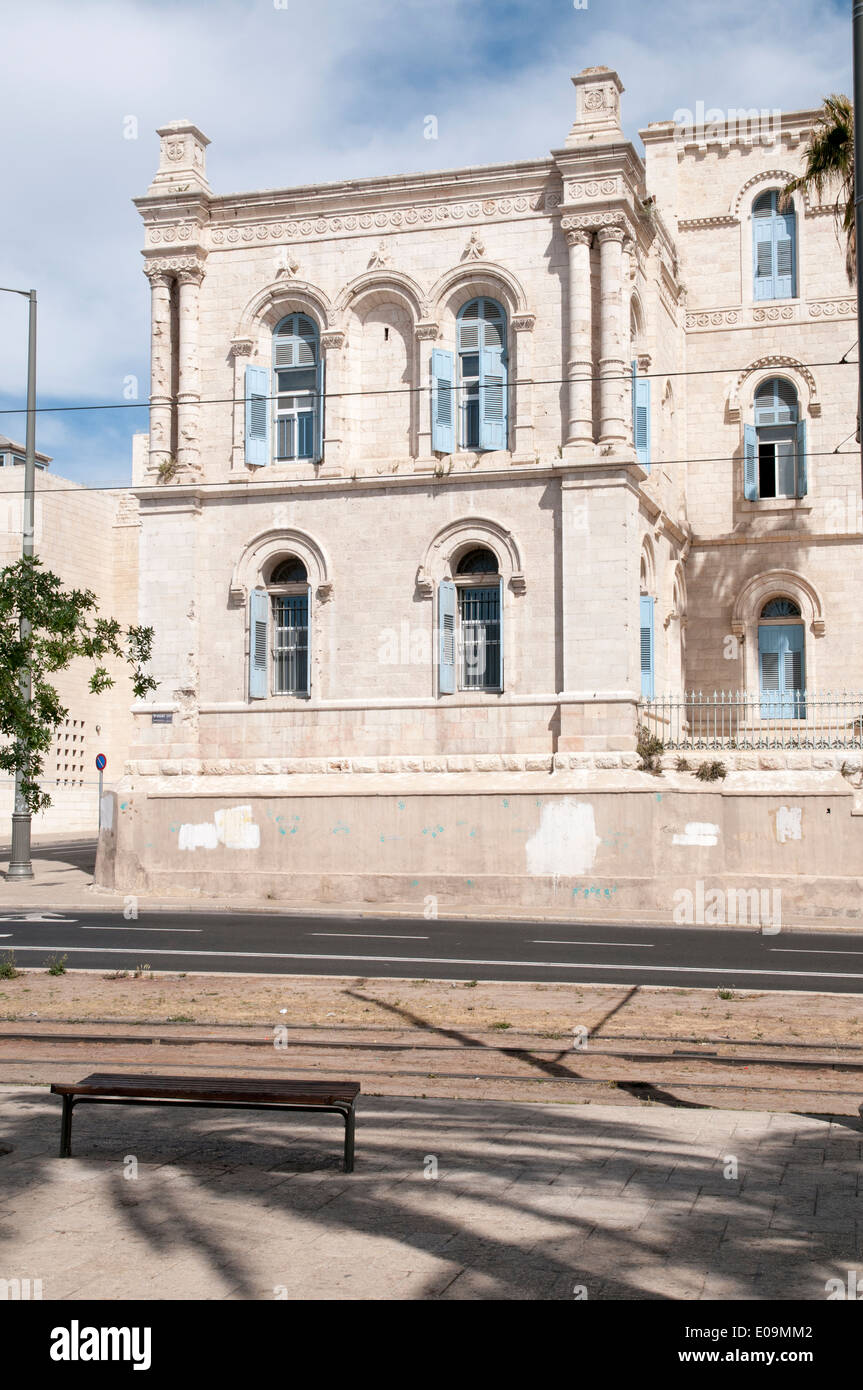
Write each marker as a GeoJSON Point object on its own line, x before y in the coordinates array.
{"type": "Point", "coordinates": [830, 161]}
{"type": "Point", "coordinates": [64, 625]}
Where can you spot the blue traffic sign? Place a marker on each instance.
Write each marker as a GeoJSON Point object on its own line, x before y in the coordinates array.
{"type": "Point", "coordinates": [101, 761]}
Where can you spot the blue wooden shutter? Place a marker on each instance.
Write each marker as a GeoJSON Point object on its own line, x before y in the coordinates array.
{"type": "Point", "coordinates": [259, 613]}
{"type": "Point", "coordinates": [641, 421]}
{"type": "Point", "coordinates": [318, 445]}
{"type": "Point", "coordinates": [492, 399]}
{"type": "Point", "coordinates": [446, 629]}
{"type": "Point", "coordinates": [763, 255]}
{"type": "Point", "coordinates": [257, 416]}
{"type": "Point", "coordinates": [443, 401]}
{"type": "Point", "coordinates": [781, 658]}
{"type": "Point", "coordinates": [784, 255]}
{"type": "Point", "coordinates": [647, 664]}
{"type": "Point", "coordinates": [750, 463]}
{"type": "Point", "coordinates": [801, 458]}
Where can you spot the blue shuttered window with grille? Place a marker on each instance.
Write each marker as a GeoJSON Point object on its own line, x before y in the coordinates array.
{"type": "Point", "coordinates": [291, 644]}
{"type": "Point", "coordinates": [298, 389]}
{"type": "Point", "coordinates": [482, 375]}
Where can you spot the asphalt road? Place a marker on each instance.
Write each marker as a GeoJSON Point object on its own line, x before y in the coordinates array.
{"type": "Point", "coordinates": [413, 948]}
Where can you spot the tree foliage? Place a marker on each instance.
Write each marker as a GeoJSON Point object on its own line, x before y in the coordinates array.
{"type": "Point", "coordinates": [64, 625]}
{"type": "Point", "coordinates": [830, 160]}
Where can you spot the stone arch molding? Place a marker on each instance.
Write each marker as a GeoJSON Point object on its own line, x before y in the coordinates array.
{"type": "Point", "coordinates": [249, 569]}
{"type": "Point", "coordinates": [767, 177]}
{"type": "Point", "coordinates": [470, 531]}
{"type": "Point", "coordinates": [776, 365]}
{"type": "Point", "coordinates": [383, 286]}
{"type": "Point", "coordinates": [270, 304]}
{"type": "Point", "coordinates": [647, 567]}
{"type": "Point", "coordinates": [777, 584]}
{"type": "Point", "coordinates": [472, 278]}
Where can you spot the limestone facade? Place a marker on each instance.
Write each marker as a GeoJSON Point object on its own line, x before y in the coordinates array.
{"type": "Point", "coordinates": [592, 259]}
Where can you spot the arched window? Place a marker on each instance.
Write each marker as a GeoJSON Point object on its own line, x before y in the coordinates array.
{"type": "Point", "coordinates": [482, 375]}
{"type": "Point", "coordinates": [297, 388]}
{"type": "Point", "coordinates": [279, 641]}
{"type": "Point", "coordinates": [774, 446]}
{"type": "Point", "coordinates": [781, 660]}
{"type": "Point", "coordinates": [471, 624]}
{"type": "Point", "coordinates": [774, 248]}
{"type": "Point", "coordinates": [479, 561]}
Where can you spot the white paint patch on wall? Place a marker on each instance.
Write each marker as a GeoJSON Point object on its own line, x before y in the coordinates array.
{"type": "Point", "coordinates": [698, 832]}
{"type": "Point", "coordinates": [566, 841]}
{"type": "Point", "coordinates": [789, 823]}
{"type": "Point", "coordinates": [234, 829]}
{"type": "Point", "coordinates": [106, 818]}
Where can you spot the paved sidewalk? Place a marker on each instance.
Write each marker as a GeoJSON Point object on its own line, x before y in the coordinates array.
{"type": "Point", "coordinates": [529, 1202]}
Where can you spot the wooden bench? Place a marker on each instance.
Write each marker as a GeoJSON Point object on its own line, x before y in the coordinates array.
{"type": "Point", "coordinates": [210, 1092]}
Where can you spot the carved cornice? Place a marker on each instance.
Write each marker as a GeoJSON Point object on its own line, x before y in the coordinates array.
{"type": "Point", "coordinates": [832, 308]}
{"type": "Point", "coordinates": [332, 340]}
{"type": "Point", "coordinates": [390, 219]}
{"type": "Point", "coordinates": [426, 332]}
{"type": "Point", "coordinates": [242, 347]}
{"type": "Point", "coordinates": [524, 323]}
{"type": "Point", "coordinates": [697, 224]}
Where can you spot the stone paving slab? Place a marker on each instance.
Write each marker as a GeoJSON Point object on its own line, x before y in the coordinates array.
{"type": "Point", "coordinates": [528, 1202]}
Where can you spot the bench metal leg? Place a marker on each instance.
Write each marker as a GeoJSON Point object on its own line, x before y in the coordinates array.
{"type": "Point", "coordinates": [66, 1128]}
{"type": "Point", "coordinates": [350, 1120]}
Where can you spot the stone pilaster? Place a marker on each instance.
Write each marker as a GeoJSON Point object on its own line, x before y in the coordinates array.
{"type": "Point", "coordinates": [521, 391]}
{"type": "Point", "coordinates": [241, 351]}
{"type": "Point", "coordinates": [333, 456]}
{"type": "Point", "coordinates": [425, 336]}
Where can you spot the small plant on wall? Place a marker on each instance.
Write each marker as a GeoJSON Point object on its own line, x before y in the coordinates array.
{"type": "Point", "coordinates": [167, 469]}
{"type": "Point", "coordinates": [649, 748]}
{"type": "Point", "coordinates": [711, 772]}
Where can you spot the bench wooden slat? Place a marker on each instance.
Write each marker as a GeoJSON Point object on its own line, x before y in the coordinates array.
{"type": "Point", "coordinates": [215, 1088]}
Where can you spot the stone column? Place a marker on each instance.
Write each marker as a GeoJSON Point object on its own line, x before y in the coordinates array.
{"type": "Point", "coordinates": [161, 403]}
{"type": "Point", "coordinates": [612, 361]}
{"type": "Point", "coordinates": [521, 390]}
{"type": "Point", "coordinates": [580, 347]}
{"type": "Point", "coordinates": [425, 337]}
{"type": "Point", "coordinates": [335, 385]}
{"type": "Point", "coordinates": [189, 385]}
{"type": "Point", "coordinates": [241, 351]}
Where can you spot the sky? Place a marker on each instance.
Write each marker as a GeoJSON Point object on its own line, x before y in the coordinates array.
{"type": "Point", "coordinates": [303, 91]}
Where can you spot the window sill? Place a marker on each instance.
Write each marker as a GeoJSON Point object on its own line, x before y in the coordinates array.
{"type": "Point", "coordinates": [770, 505]}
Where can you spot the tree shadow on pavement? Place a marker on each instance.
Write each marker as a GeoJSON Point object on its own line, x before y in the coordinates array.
{"type": "Point", "coordinates": [452, 1199]}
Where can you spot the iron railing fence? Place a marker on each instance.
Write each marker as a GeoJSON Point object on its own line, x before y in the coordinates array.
{"type": "Point", "coordinates": [752, 719]}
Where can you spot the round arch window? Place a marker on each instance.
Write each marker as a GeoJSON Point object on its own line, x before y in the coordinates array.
{"type": "Point", "coordinates": [289, 571]}
{"type": "Point", "coordinates": [480, 560]}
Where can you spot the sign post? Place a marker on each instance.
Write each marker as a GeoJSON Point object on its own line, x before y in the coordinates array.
{"type": "Point", "coordinates": [101, 764]}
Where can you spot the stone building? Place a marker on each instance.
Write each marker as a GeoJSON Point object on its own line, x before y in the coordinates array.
{"type": "Point", "coordinates": [447, 473]}
{"type": "Point", "coordinates": [90, 539]}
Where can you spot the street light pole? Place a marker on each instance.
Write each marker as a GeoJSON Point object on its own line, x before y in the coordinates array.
{"type": "Point", "coordinates": [19, 862]}
{"type": "Point", "coordinates": [857, 44]}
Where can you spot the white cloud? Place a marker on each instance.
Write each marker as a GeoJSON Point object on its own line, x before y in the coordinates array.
{"type": "Point", "coordinates": [320, 90]}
